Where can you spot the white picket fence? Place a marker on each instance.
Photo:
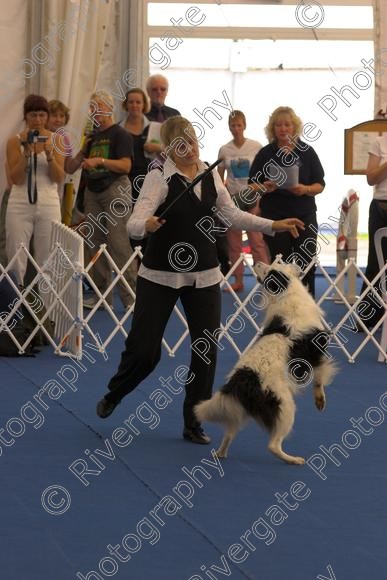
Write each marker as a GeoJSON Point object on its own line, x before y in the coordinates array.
{"type": "Point", "coordinates": [64, 274]}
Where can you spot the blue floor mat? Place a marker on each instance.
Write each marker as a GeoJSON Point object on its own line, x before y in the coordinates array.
{"type": "Point", "coordinates": [151, 506]}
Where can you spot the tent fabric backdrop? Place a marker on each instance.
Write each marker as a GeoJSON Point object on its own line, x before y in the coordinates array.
{"type": "Point", "coordinates": [13, 26]}
{"type": "Point", "coordinates": [81, 29]}
{"type": "Point", "coordinates": [78, 41]}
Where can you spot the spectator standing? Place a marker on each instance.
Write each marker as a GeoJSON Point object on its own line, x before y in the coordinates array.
{"type": "Point", "coordinates": [157, 89]}
{"type": "Point", "coordinates": [237, 156]}
{"type": "Point", "coordinates": [107, 160]}
{"type": "Point", "coordinates": [377, 176]}
{"type": "Point", "coordinates": [35, 168]}
{"type": "Point", "coordinates": [136, 105]}
{"type": "Point", "coordinates": [288, 174]}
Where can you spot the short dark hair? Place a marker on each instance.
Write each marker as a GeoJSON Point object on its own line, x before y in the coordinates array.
{"type": "Point", "coordinates": [35, 103]}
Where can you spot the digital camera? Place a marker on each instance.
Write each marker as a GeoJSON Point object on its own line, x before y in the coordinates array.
{"type": "Point", "coordinates": [34, 137]}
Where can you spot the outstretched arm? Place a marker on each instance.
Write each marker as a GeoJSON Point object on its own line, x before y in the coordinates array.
{"type": "Point", "coordinates": [291, 225]}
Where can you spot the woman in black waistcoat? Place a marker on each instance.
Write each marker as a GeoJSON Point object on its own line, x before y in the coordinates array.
{"type": "Point", "coordinates": [180, 261]}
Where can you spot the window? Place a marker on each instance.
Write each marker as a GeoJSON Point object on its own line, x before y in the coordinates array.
{"type": "Point", "coordinates": [229, 57]}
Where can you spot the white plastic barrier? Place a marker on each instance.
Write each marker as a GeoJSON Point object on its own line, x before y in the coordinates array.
{"type": "Point", "coordinates": [63, 272]}
{"type": "Point", "coordinates": [379, 236]}
{"type": "Point", "coordinates": [66, 307]}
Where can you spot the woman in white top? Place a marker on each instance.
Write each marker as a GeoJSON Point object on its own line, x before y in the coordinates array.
{"type": "Point", "coordinates": [180, 262]}
{"type": "Point", "coordinates": [35, 169]}
{"type": "Point", "coordinates": [377, 176]}
{"type": "Point", "coordinates": [237, 156]}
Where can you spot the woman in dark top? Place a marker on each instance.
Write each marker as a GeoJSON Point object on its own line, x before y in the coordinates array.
{"type": "Point", "coordinates": [287, 173]}
{"type": "Point", "coordinates": [107, 160]}
{"type": "Point", "coordinates": [136, 104]}
{"type": "Point", "coordinates": [144, 151]}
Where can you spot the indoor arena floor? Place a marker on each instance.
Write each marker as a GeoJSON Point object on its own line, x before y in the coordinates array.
{"type": "Point", "coordinates": [141, 509]}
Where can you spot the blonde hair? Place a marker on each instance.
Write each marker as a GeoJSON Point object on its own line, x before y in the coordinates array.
{"type": "Point", "coordinates": [175, 127]}
{"type": "Point", "coordinates": [55, 106]}
{"type": "Point", "coordinates": [106, 98]}
{"type": "Point", "coordinates": [269, 129]}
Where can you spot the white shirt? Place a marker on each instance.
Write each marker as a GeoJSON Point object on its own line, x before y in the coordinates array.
{"type": "Point", "coordinates": [154, 192]}
{"type": "Point", "coordinates": [379, 148]}
{"type": "Point", "coordinates": [237, 162]}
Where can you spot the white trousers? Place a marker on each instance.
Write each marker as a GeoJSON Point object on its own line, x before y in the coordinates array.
{"type": "Point", "coordinates": [24, 220]}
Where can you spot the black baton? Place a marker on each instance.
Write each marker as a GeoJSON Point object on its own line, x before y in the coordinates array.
{"type": "Point", "coordinates": [190, 186]}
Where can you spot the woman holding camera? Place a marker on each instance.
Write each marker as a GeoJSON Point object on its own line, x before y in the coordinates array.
{"type": "Point", "coordinates": [35, 169]}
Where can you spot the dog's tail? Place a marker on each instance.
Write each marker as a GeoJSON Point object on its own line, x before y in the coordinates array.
{"type": "Point", "coordinates": [210, 410]}
{"type": "Point", "coordinates": [220, 408]}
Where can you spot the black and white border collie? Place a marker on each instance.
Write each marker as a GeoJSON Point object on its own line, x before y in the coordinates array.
{"type": "Point", "coordinates": [261, 386]}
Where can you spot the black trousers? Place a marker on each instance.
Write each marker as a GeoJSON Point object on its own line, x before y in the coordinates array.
{"type": "Point", "coordinates": [304, 246]}
{"type": "Point", "coordinates": [377, 219]}
{"type": "Point", "coordinates": [153, 308]}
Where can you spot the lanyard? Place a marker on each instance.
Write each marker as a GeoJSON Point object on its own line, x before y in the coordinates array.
{"type": "Point", "coordinates": [32, 195]}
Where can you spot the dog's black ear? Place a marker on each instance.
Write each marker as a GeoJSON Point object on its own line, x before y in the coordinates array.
{"type": "Point", "coordinates": [276, 282]}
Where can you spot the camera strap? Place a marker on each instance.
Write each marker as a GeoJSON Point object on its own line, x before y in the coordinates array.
{"type": "Point", "coordinates": [32, 187]}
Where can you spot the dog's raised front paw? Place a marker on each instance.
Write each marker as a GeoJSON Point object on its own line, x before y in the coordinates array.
{"type": "Point", "coordinates": [320, 402]}
{"type": "Point", "coordinates": [221, 454]}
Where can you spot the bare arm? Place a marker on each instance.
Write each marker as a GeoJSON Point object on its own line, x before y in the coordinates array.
{"type": "Point", "coordinates": [375, 172]}
{"type": "Point", "coordinates": [309, 190]}
{"type": "Point", "coordinates": [71, 164]}
{"type": "Point", "coordinates": [221, 171]}
{"type": "Point", "coordinates": [17, 161]}
{"type": "Point", "coordinates": [153, 147]}
{"type": "Point", "coordinates": [55, 160]}
{"type": "Point", "coordinates": [123, 165]}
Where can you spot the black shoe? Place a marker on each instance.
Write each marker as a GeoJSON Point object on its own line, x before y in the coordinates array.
{"type": "Point", "coordinates": [105, 408]}
{"type": "Point", "coordinates": [196, 435]}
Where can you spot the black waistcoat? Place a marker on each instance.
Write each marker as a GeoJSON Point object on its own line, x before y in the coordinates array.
{"type": "Point", "coordinates": [180, 245]}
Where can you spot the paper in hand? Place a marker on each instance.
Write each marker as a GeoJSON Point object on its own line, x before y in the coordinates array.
{"type": "Point", "coordinates": [292, 176]}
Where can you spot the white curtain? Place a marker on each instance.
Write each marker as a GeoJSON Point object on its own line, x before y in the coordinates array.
{"type": "Point", "coordinates": [380, 19]}
{"type": "Point", "coordinates": [75, 54]}
{"type": "Point", "coordinates": [79, 32]}
{"type": "Point", "coordinates": [13, 27]}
